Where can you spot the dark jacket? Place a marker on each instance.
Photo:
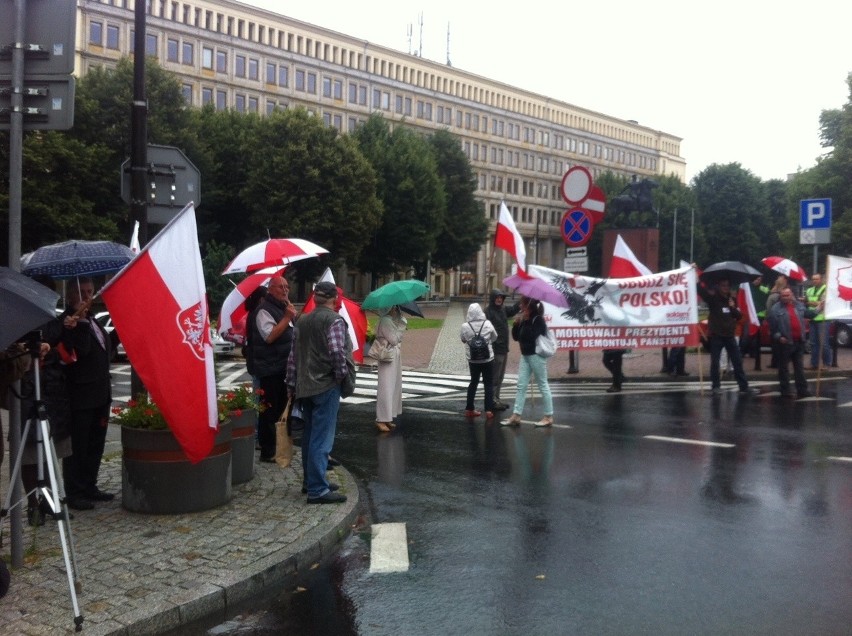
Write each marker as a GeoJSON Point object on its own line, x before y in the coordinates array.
{"type": "Point", "coordinates": [526, 332]}
{"type": "Point", "coordinates": [269, 358]}
{"type": "Point", "coordinates": [779, 321]}
{"type": "Point", "coordinates": [89, 384]}
{"type": "Point", "coordinates": [499, 317]}
{"type": "Point", "coordinates": [722, 320]}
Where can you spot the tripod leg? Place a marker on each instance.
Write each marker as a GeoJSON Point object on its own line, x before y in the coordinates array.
{"type": "Point", "coordinates": [47, 454]}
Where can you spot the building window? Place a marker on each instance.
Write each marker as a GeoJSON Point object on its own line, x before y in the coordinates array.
{"type": "Point", "coordinates": [326, 87]}
{"type": "Point", "coordinates": [271, 73]}
{"type": "Point", "coordinates": [398, 107]}
{"type": "Point", "coordinates": [112, 36]}
{"type": "Point", "coordinates": [151, 44]}
{"type": "Point", "coordinates": [353, 124]}
{"type": "Point", "coordinates": [300, 80]}
{"type": "Point", "coordinates": [407, 106]}
{"type": "Point", "coordinates": [270, 106]}
{"type": "Point", "coordinates": [284, 76]}
{"type": "Point", "coordinates": [312, 83]}
{"type": "Point", "coordinates": [96, 33]}
{"type": "Point", "coordinates": [385, 101]}
{"type": "Point", "coordinates": [172, 50]}
{"type": "Point", "coordinates": [221, 100]}
{"type": "Point", "coordinates": [326, 119]}
{"type": "Point", "coordinates": [440, 118]}
{"type": "Point", "coordinates": [206, 96]}
{"type": "Point", "coordinates": [338, 89]}
{"type": "Point", "coordinates": [253, 69]}
{"type": "Point", "coordinates": [338, 122]}
{"type": "Point", "coordinates": [240, 103]}
{"type": "Point", "coordinates": [240, 65]}
{"type": "Point", "coordinates": [188, 54]}
{"type": "Point", "coordinates": [353, 93]}
{"type": "Point", "coordinates": [221, 62]}
{"type": "Point", "coordinates": [207, 58]}
{"type": "Point", "coordinates": [186, 89]}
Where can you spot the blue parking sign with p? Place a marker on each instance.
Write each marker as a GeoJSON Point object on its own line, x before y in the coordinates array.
{"type": "Point", "coordinates": [816, 214]}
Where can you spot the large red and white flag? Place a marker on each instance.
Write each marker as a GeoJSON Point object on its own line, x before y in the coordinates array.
{"type": "Point", "coordinates": [352, 313]}
{"type": "Point", "coordinates": [624, 263]}
{"type": "Point", "coordinates": [159, 306]}
{"type": "Point", "coordinates": [509, 239]}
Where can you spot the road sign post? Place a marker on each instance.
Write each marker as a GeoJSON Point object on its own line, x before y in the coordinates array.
{"type": "Point", "coordinates": [815, 225]}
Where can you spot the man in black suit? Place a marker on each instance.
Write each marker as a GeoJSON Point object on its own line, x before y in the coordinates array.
{"type": "Point", "coordinates": [90, 393]}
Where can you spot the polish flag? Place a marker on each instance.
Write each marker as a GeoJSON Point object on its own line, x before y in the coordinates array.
{"type": "Point", "coordinates": [745, 303]}
{"type": "Point", "coordinates": [624, 263]}
{"type": "Point", "coordinates": [158, 305]}
{"type": "Point", "coordinates": [509, 239]}
{"type": "Point", "coordinates": [356, 319]}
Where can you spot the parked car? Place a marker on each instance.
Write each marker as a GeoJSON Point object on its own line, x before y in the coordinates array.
{"type": "Point", "coordinates": [220, 346]}
{"type": "Point", "coordinates": [842, 332]}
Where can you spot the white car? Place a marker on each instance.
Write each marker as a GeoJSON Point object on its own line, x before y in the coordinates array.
{"type": "Point", "coordinates": [220, 346]}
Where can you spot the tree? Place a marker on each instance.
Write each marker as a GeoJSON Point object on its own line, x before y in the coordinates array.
{"type": "Point", "coordinates": [411, 193]}
{"type": "Point", "coordinates": [732, 210]}
{"type": "Point", "coordinates": [465, 228]}
{"type": "Point", "coordinates": [305, 180]}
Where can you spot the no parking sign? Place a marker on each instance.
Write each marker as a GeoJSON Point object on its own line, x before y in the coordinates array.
{"type": "Point", "coordinates": [587, 203]}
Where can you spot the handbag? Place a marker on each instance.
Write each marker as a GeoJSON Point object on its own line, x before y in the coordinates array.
{"type": "Point", "coordinates": [347, 387]}
{"type": "Point", "coordinates": [380, 351]}
{"type": "Point", "coordinates": [283, 441]}
{"type": "Point", "coordinates": [545, 345]}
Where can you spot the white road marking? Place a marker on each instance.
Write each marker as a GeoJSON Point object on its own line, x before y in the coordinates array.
{"type": "Point", "coordinates": [833, 458]}
{"type": "Point", "coordinates": [389, 548]}
{"type": "Point", "coordinates": [681, 440]}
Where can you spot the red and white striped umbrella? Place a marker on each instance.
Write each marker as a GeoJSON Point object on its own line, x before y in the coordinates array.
{"type": "Point", "coordinates": [273, 252]}
{"type": "Point", "coordinates": [785, 266]}
{"type": "Point", "coordinates": [232, 317]}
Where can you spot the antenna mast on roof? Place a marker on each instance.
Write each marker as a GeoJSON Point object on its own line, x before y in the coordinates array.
{"type": "Point", "coordinates": [448, 45]}
{"type": "Point", "coordinates": [409, 31]}
{"type": "Point", "coordinates": [421, 34]}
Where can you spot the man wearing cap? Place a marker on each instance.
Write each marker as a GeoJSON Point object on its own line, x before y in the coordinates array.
{"type": "Point", "coordinates": [499, 316]}
{"type": "Point", "coordinates": [316, 368]}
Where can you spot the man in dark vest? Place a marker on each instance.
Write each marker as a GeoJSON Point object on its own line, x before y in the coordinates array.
{"type": "Point", "coordinates": [270, 342]}
{"type": "Point", "coordinates": [315, 371]}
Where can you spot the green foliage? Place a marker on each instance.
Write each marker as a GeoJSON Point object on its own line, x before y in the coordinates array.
{"type": "Point", "coordinates": [411, 192]}
{"type": "Point", "coordinates": [309, 182]}
{"type": "Point", "coordinates": [465, 227]}
{"type": "Point", "coordinates": [140, 413]}
{"type": "Point", "coordinates": [216, 258]}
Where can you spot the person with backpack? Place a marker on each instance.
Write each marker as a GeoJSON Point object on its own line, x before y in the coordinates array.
{"type": "Point", "coordinates": [477, 334]}
{"type": "Point", "coordinates": [526, 329]}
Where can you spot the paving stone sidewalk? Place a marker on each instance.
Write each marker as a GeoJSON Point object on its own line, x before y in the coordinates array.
{"type": "Point", "coordinates": [145, 574]}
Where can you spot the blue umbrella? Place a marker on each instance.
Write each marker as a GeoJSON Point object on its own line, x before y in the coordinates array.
{"type": "Point", "coordinates": [26, 305]}
{"type": "Point", "coordinates": [76, 258]}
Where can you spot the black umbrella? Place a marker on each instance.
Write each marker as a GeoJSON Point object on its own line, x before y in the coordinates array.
{"type": "Point", "coordinates": [25, 304]}
{"type": "Point", "coordinates": [411, 308]}
{"type": "Point", "coordinates": [732, 271]}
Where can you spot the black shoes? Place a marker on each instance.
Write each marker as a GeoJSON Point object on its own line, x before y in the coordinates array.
{"type": "Point", "coordinates": [327, 498]}
{"type": "Point", "coordinates": [331, 487]}
{"type": "Point", "coordinates": [333, 462]}
{"type": "Point", "coordinates": [80, 503]}
{"type": "Point", "coordinates": [99, 495]}
{"type": "Point", "coordinates": [267, 460]}
{"type": "Point", "coordinates": [615, 388]}
{"type": "Point", "coordinates": [500, 406]}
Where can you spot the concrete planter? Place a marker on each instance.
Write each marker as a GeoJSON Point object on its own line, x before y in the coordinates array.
{"type": "Point", "coordinates": [157, 478]}
{"type": "Point", "coordinates": [242, 446]}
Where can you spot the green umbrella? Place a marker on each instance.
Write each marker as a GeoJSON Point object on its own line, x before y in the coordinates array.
{"type": "Point", "coordinates": [397, 292]}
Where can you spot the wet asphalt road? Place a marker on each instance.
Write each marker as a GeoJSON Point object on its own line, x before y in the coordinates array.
{"type": "Point", "coordinates": [650, 512]}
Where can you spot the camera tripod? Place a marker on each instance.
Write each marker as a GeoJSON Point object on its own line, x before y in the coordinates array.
{"type": "Point", "coordinates": [50, 487]}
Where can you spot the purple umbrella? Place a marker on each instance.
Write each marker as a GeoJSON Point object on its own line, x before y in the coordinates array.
{"type": "Point", "coordinates": [538, 288]}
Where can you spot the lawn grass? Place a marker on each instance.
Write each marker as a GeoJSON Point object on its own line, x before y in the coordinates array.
{"type": "Point", "coordinates": [413, 323]}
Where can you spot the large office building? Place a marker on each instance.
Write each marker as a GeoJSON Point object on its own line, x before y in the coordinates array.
{"type": "Point", "coordinates": [519, 143]}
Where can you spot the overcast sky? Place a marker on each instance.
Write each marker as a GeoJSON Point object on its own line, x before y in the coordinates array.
{"type": "Point", "coordinates": [738, 80]}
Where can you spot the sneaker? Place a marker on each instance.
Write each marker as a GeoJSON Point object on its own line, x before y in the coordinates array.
{"type": "Point", "coordinates": [472, 413]}
{"type": "Point", "coordinates": [514, 420]}
{"type": "Point", "coordinates": [331, 487]}
{"type": "Point", "coordinates": [547, 420]}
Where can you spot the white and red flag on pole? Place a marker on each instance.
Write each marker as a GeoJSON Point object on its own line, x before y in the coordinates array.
{"type": "Point", "coordinates": [624, 263]}
{"type": "Point", "coordinates": [509, 239]}
{"type": "Point", "coordinates": [352, 313]}
{"type": "Point", "coordinates": [159, 306]}
{"type": "Point", "coordinates": [745, 303]}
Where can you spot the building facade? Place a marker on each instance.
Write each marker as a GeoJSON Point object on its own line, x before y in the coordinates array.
{"type": "Point", "coordinates": [519, 143]}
